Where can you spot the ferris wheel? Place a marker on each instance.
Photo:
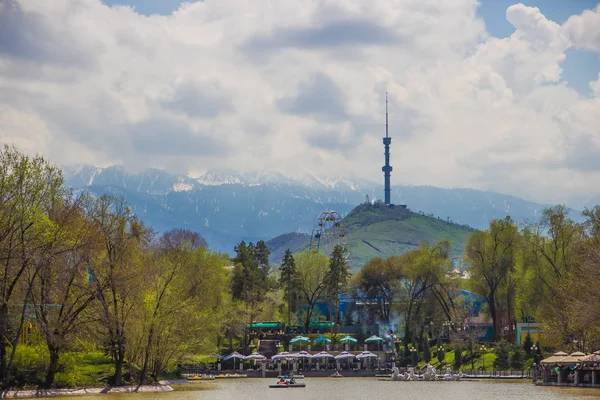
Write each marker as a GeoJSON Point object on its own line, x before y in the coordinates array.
{"type": "Point", "coordinates": [328, 232]}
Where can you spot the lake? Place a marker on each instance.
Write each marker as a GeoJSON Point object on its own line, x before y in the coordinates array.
{"type": "Point", "coordinates": [359, 388]}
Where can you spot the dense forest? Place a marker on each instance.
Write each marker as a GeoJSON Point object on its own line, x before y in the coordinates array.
{"type": "Point", "coordinates": [85, 282]}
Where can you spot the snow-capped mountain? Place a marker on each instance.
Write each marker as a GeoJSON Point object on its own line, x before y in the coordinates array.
{"type": "Point", "coordinates": [226, 207]}
{"type": "Point", "coordinates": [215, 178]}
{"type": "Point", "coordinates": [152, 181]}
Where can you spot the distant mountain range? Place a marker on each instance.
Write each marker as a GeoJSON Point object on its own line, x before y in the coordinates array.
{"type": "Point", "coordinates": [226, 207]}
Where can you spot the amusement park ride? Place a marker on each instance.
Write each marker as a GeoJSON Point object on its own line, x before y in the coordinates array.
{"type": "Point", "coordinates": [328, 232]}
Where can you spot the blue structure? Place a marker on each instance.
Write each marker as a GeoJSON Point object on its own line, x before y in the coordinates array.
{"type": "Point", "coordinates": [387, 168]}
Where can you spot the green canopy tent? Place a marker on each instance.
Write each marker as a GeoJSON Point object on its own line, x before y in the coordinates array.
{"type": "Point", "coordinates": [267, 325]}
{"type": "Point", "coordinates": [299, 339]}
{"type": "Point", "coordinates": [321, 325]}
{"type": "Point", "coordinates": [322, 339]}
{"type": "Point", "coordinates": [348, 339]}
{"type": "Point", "coordinates": [374, 339]}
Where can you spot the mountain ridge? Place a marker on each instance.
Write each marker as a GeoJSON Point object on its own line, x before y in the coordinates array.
{"type": "Point", "coordinates": [260, 209]}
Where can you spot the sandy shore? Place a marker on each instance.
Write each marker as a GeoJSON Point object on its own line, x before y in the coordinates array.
{"type": "Point", "coordinates": [12, 394]}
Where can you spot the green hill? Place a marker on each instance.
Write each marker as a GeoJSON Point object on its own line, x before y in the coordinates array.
{"type": "Point", "coordinates": [381, 231]}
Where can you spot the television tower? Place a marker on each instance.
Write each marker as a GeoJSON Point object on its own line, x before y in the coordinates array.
{"type": "Point", "coordinates": [387, 168]}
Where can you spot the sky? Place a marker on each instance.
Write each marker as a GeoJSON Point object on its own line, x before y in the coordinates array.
{"type": "Point", "coordinates": [496, 95]}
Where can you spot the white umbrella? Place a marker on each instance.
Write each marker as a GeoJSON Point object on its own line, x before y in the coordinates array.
{"type": "Point", "coordinates": [366, 354]}
{"type": "Point", "coordinates": [344, 355]}
{"type": "Point", "coordinates": [301, 354]}
{"type": "Point", "coordinates": [255, 356]}
{"type": "Point", "coordinates": [234, 355]}
{"type": "Point", "coordinates": [323, 354]}
{"type": "Point", "coordinates": [282, 355]}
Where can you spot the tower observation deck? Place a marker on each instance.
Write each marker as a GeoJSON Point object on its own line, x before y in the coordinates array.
{"type": "Point", "coordinates": [387, 168]}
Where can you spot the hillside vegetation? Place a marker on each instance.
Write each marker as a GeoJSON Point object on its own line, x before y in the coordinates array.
{"type": "Point", "coordinates": [376, 230]}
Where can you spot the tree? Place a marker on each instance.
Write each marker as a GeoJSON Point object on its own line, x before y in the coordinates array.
{"type": "Point", "coordinates": [553, 253]}
{"type": "Point", "coordinates": [116, 271]}
{"type": "Point", "coordinates": [183, 305]}
{"type": "Point", "coordinates": [516, 361]}
{"type": "Point", "coordinates": [501, 361]}
{"type": "Point", "coordinates": [312, 269]}
{"type": "Point", "coordinates": [250, 277]}
{"type": "Point", "coordinates": [289, 281]}
{"type": "Point", "coordinates": [29, 187]}
{"type": "Point", "coordinates": [173, 287]}
{"type": "Point", "coordinates": [491, 254]}
{"type": "Point", "coordinates": [423, 270]}
{"type": "Point", "coordinates": [63, 292]}
{"type": "Point", "coordinates": [527, 344]}
{"type": "Point", "coordinates": [378, 284]}
{"type": "Point", "coordinates": [457, 356]}
{"type": "Point", "coordinates": [337, 277]}
{"type": "Point", "coordinates": [426, 349]}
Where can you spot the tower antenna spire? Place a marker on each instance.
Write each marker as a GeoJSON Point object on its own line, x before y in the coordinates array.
{"type": "Point", "coordinates": [386, 114]}
{"type": "Point", "coordinates": [387, 168]}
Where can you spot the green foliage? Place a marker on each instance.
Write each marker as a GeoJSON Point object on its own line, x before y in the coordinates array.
{"type": "Point", "coordinates": [337, 276]}
{"type": "Point", "coordinates": [289, 280]}
{"type": "Point", "coordinates": [426, 349]}
{"type": "Point", "coordinates": [457, 356]}
{"type": "Point", "coordinates": [250, 281]}
{"type": "Point", "coordinates": [491, 256]}
{"type": "Point", "coordinates": [313, 268]}
{"type": "Point", "coordinates": [502, 354]}
{"type": "Point", "coordinates": [78, 369]}
{"type": "Point", "coordinates": [527, 344]}
{"type": "Point", "coordinates": [516, 360]}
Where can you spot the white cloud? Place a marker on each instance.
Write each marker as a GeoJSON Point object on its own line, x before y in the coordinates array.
{"type": "Point", "coordinates": [280, 85]}
{"type": "Point", "coordinates": [583, 29]}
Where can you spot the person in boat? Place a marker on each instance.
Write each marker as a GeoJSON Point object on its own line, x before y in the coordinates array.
{"type": "Point", "coordinates": [292, 381]}
{"type": "Point", "coordinates": [282, 381]}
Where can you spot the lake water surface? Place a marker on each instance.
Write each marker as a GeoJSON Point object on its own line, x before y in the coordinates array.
{"type": "Point", "coordinates": [359, 388]}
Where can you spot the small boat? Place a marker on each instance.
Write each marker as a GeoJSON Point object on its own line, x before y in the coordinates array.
{"type": "Point", "coordinates": [293, 376]}
{"type": "Point", "coordinates": [231, 376]}
{"type": "Point", "coordinates": [202, 378]}
{"type": "Point", "coordinates": [336, 375]}
{"type": "Point", "coordinates": [287, 384]}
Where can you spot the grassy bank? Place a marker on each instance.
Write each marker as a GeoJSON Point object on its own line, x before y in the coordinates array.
{"type": "Point", "coordinates": [76, 369]}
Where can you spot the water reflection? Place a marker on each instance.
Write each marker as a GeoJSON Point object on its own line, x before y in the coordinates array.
{"type": "Point", "coordinates": [360, 388]}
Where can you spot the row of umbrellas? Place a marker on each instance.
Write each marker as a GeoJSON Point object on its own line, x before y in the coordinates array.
{"type": "Point", "coordinates": [344, 355]}
{"type": "Point", "coordinates": [323, 339]}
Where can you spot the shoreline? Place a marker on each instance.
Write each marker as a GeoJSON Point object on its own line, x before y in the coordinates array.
{"type": "Point", "coordinates": [34, 393]}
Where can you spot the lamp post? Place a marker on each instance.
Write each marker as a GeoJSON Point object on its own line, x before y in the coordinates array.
{"type": "Point", "coordinates": [534, 349]}
{"type": "Point", "coordinates": [448, 325]}
{"type": "Point", "coordinates": [483, 349]}
{"type": "Point", "coordinates": [413, 353]}
{"type": "Point", "coordinates": [440, 354]}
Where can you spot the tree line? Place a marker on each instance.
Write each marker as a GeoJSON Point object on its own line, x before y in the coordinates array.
{"type": "Point", "coordinates": [87, 273]}
{"type": "Point", "coordinates": [84, 269]}
{"type": "Point", "coordinates": [546, 271]}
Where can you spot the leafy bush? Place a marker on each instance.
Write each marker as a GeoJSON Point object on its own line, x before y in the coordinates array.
{"type": "Point", "coordinates": [516, 361]}
{"type": "Point", "coordinates": [29, 365]}
{"type": "Point", "coordinates": [426, 349]}
{"type": "Point", "coordinates": [457, 357]}
{"type": "Point", "coordinates": [64, 380]}
{"type": "Point", "coordinates": [501, 361]}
